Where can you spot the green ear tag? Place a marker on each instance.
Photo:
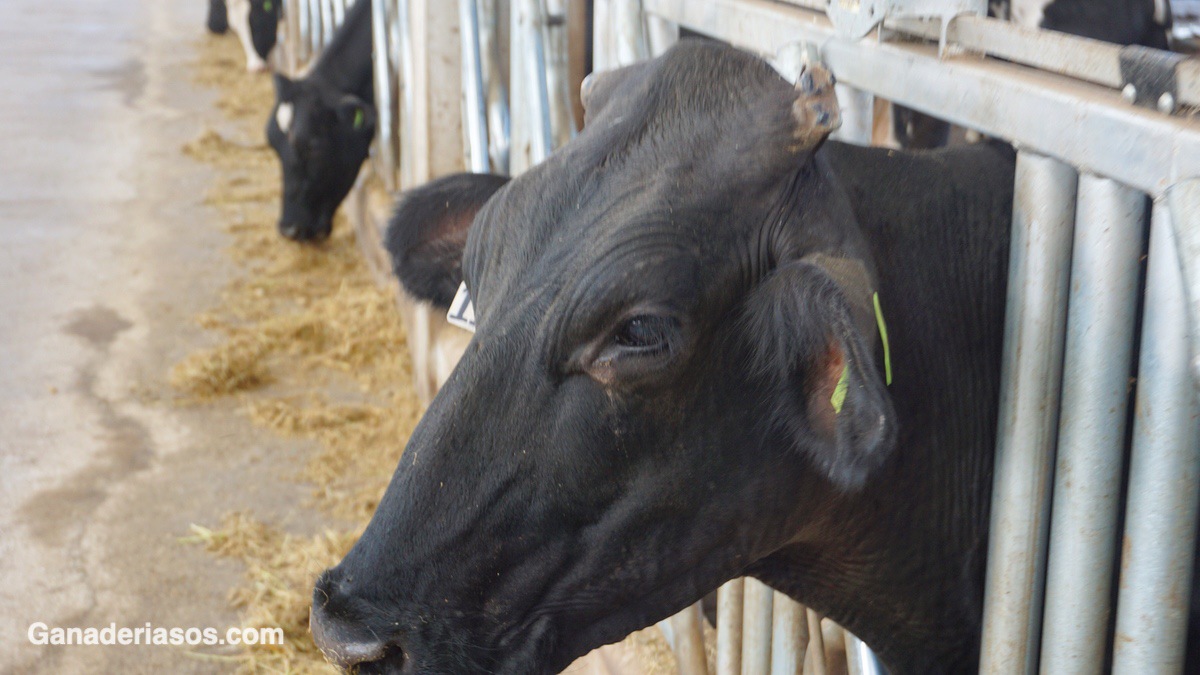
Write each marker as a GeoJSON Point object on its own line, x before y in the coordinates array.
{"type": "Point", "coordinates": [839, 390]}
{"type": "Point", "coordinates": [887, 350]}
{"type": "Point", "coordinates": [267, 6]}
{"type": "Point", "coordinates": [359, 119]}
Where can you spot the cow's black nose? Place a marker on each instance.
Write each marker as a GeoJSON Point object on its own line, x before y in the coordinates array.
{"type": "Point", "coordinates": [289, 230]}
{"type": "Point", "coordinates": [345, 642]}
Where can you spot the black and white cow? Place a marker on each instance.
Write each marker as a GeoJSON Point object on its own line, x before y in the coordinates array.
{"type": "Point", "coordinates": [708, 346]}
{"type": "Point", "coordinates": [321, 127]}
{"type": "Point", "coordinates": [256, 23]}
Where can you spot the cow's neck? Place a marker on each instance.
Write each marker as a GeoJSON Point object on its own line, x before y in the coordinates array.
{"type": "Point", "coordinates": [867, 561]}
{"type": "Point", "coordinates": [345, 65]}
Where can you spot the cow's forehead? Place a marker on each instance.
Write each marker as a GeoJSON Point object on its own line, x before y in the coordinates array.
{"type": "Point", "coordinates": [672, 168]}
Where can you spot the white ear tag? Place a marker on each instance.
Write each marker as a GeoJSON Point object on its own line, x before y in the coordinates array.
{"type": "Point", "coordinates": [462, 310]}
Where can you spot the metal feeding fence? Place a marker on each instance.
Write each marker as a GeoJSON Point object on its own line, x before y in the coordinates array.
{"type": "Point", "coordinates": [486, 85]}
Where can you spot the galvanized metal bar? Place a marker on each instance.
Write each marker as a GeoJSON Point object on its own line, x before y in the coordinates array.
{"type": "Point", "coordinates": [814, 658]}
{"type": "Point", "coordinates": [789, 636]}
{"type": "Point", "coordinates": [730, 605]}
{"type": "Point", "coordinates": [629, 28]}
{"type": "Point", "coordinates": [1081, 58]}
{"type": "Point", "coordinates": [1164, 469]}
{"type": "Point", "coordinates": [316, 33]}
{"type": "Point", "coordinates": [339, 12]}
{"type": "Point", "coordinates": [858, 115]}
{"type": "Point", "coordinates": [756, 628]}
{"type": "Point", "coordinates": [496, 94]}
{"type": "Point", "coordinates": [603, 40]}
{"type": "Point", "coordinates": [385, 89]}
{"type": "Point", "coordinates": [475, 126]}
{"type": "Point", "coordinates": [532, 138]}
{"type": "Point", "coordinates": [1050, 114]}
{"type": "Point", "coordinates": [1031, 368]}
{"type": "Point", "coordinates": [303, 45]}
{"type": "Point", "coordinates": [860, 660]}
{"type": "Point", "coordinates": [327, 24]}
{"type": "Point", "coordinates": [1109, 235]}
{"type": "Point", "coordinates": [536, 92]}
{"type": "Point", "coordinates": [556, 72]}
{"type": "Point", "coordinates": [687, 628]}
{"type": "Point", "coordinates": [1187, 240]}
{"type": "Point", "coordinates": [401, 33]}
{"type": "Point", "coordinates": [661, 34]}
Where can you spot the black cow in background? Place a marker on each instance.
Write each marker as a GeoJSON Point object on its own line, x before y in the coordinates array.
{"type": "Point", "coordinates": [256, 23]}
{"type": "Point", "coordinates": [321, 128]}
{"type": "Point", "coordinates": [1123, 22]}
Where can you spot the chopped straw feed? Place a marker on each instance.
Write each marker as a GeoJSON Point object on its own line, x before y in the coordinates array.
{"type": "Point", "coordinates": [312, 349]}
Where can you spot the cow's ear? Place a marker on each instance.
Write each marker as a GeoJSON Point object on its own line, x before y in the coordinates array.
{"type": "Point", "coordinates": [828, 396]}
{"type": "Point", "coordinates": [428, 232]}
{"type": "Point", "coordinates": [356, 115]}
{"type": "Point", "coordinates": [285, 88]}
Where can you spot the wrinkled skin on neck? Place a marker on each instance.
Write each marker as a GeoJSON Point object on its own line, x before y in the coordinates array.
{"type": "Point", "coordinates": [644, 412]}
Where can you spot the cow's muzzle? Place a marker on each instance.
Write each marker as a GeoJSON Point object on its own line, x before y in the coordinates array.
{"type": "Point", "coordinates": [305, 233]}
{"type": "Point", "coordinates": [347, 643]}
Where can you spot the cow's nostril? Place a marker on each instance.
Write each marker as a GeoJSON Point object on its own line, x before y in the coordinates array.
{"type": "Point", "coordinates": [346, 645]}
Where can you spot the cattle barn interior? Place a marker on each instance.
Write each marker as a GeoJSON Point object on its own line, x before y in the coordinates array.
{"type": "Point", "coordinates": [220, 335]}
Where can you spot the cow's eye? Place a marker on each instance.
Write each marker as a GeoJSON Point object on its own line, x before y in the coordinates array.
{"type": "Point", "coordinates": [636, 349]}
{"type": "Point", "coordinates": [646, 334]}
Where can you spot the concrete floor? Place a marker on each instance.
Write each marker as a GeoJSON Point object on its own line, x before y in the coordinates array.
{"type": "Point", "coordinates": [106, 252]}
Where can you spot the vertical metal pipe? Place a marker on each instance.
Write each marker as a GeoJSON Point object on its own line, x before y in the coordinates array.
{"type": "Point", "coordinates": [403, 54]}
{"type": "Point", "coordinates": [661, 34]}
{"type": "Point", "coordinates": [316, 34]}
{"type": "Point", "coordinates": [384, 91]}
{"type": "Point", "coordinates": [300, 46]}
{"type": "Point", "coordinates": [814, 659]}
{"type": "Point", "coordinates": [730, 603]}
{"type": "Point", "coordinates": [1031, 372]}
{"type": "Point", "coordinates": [339, 12]}
{"type": "Point", "coordinates": [556, 72]}
{"type": "Point", "coordinates": [475, 131]}
{"type": "Point", "coordinates": [531, 129]}
{"type": "Point", "coordinates": [1160, 516]}
{"type": "Point", "coordinates": [327, 25]}
{"type": "Point", "coordinates": [603, 37]}
{"type": "Point", "coordinates": [756, 628]}
{"type": "Point", "coordinates": [788, 636]}
{"type": "Point", "coordinates": [496, 95]}
{"type": "Point", "coordinates": [1109, 233]}
{"type": "Point", "coordinates": [629, 30]}
{"type": "Point", "coordinates": [1185, 203]}
{"type": "Point", "coordinates": [858, 115]}
{"type": "Point", "coordinates": [687, 628]}
{"type": "Point", "coordinates": [860, 660]}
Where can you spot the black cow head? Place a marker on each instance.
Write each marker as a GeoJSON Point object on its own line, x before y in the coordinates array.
{"type": "Point", "coordinates": [264, 25]}
{"type": "Point", "coordinates": [322, 137]}
{"type": "Point", "coordinates": [674, 369]}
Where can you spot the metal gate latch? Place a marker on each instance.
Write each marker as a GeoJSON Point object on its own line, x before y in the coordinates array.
{"type": "Point", "coordinates": [1150, 77]}
{"type": "Point", "coordinates": [856, 18]}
